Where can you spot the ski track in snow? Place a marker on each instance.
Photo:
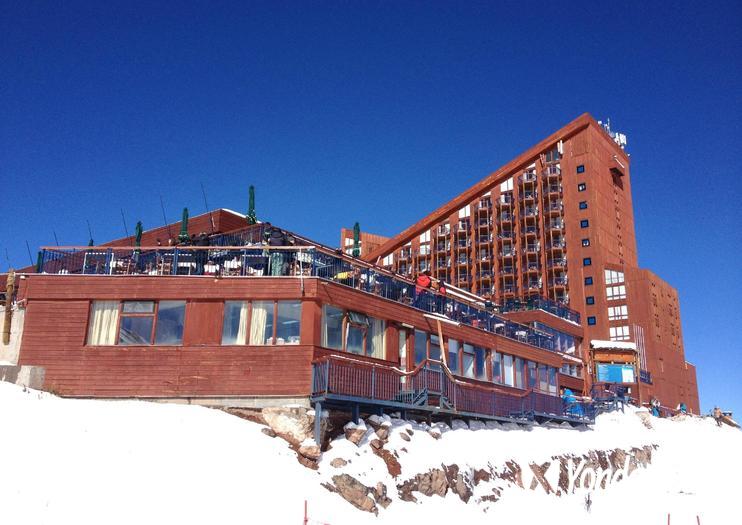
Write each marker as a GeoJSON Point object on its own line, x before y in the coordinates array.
{"type": "Point", "coordinates": [134, 462]}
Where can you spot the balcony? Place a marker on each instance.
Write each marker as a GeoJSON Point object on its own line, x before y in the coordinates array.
{"type": "Point", "coordinates": [528, 196]}
{"type": "Point", "coordinates": [552, 172]}
{"type": "Point", "coordinates": [529, 230]}
{"type": "Point", "coordinates": [528, 178]}
{"type": "Point", "coordinates": [505, 217]}
{"type": "Point", "coordinates": [547, 305]}
{"type": "Point", "coordinates": [556, 224]}
{"type": "Point", "coordinates": [558, 263]}
{"type": "Point", "coordinates": [443, 231]}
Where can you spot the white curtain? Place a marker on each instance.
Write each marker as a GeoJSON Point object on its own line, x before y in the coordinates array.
{"type": "Point", "coordinates": [377, 337]}
{"type": "Point", "coordinates": [104, 319]}
{"type": "Point", "coordinates": [258, 322]}
{"type": "Point", "coordinates": [242, 328]}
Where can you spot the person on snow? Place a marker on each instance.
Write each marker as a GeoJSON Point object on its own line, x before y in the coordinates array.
{"type": "Point", "coordinates": [682, 408]}
{"type": "Point", "coordinates": [570, 403]}
{"type": "Point", "coordinates": [654, 403]}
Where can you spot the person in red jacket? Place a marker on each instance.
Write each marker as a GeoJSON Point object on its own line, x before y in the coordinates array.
{"type": "Point", "coordinates": [422, 284]}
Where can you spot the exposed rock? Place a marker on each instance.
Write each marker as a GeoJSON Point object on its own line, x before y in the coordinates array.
{"type": "Point", "coordinates": [309, 463]}
{"type": "Point", "coordinates": [435, 433]}
{"type": "Point", "coordinates": [376, 444]}
{"type": "Point", "coordinates": [481, 475]}
{"type": "Point", "coordinates": [428, 483]}
{"type": "Point", "coordinates": [381, 426]}
{"type": "Point", "coordinates": [379, 494]}
{"type": "Point", "coordinates": [268, 431]}
{"type": "Point", "coordinates": [457, 482]}
{"type": "Point", "coordinates": [354, 433]}
{"type": "Point", "coordinates": [354, 492]}
{"type": "Point", "coordinates": [291, 423]}
{"type": "Point", "coordinates": [338, 462]}
{"type": "Point", "coordinates": [392, 465]}
{"type": "Point", "coordinates": [310, 450]}
{"type": "Point", "coordinates": [405, 436]}
{"type": "Point", "coordinates": [409, 431]}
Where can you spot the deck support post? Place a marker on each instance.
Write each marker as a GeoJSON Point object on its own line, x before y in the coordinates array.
{"type": "Point", "coordinates": [318, 423]}
{"type": "Point", "coordinates": [355, 413]}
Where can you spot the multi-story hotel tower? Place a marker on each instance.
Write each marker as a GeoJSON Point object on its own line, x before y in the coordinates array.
{"type": "Point", "coordinates": [558, 222]}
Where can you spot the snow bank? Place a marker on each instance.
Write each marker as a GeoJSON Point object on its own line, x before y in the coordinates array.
{"type": "Point", "coordinates": [122, 462]}
{"type": "Point", "coordinates": [620, 345]}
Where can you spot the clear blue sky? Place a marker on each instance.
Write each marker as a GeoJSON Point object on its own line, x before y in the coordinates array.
{"type": "Point", "coordinates": [375, 112]}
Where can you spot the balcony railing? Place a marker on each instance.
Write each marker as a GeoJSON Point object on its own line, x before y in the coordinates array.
{"type": "Point", "coordinates": [345, 377]}
{"type": "Point", "coordinates": [256, 261]}
{"type": "Point", "coordinates": [645, 376]}
{"type": "Point", "coordinates": [542, 303]}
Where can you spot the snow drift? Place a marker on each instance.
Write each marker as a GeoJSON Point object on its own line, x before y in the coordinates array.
{"type": "Point", "coordinates": [92, 462]}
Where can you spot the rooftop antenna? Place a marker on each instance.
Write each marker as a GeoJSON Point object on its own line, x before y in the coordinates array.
{"type": "Point", "coordinates": [90, 231]}
{"type": "Point", "coordinates": [164, 217]}
{"type": "Point", "coordinates": [126, 230]}
{"type": "Point", "coordinates": [211, 219]}
{"type": "Point", "coordinates": [55, 237]}
{"type": "Point", "coordinates": [28, 248]}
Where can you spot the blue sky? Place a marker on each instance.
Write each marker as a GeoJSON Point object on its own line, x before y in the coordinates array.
{"type": "Point", "coordinates": [376, 112]}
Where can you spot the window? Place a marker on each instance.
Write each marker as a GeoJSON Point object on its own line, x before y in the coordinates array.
{"type": "Point", "coordinates": [518, 372]}
{"type": "Point", "coordinates": [497, 367]}
{"type": "Point", "coordinates": [507, 370]}
{"type": "Point", "coordinates": [421, 346]}
{"type": "Point", "coordinates": [104, 320]}
{"type": "Point", "coordinates": [589, 299]}
{"type": "Point", "coordinates": [169, 327]}
{"type": "Point", "coordinates": [613, 277]}
{"type": "Point", "coordinates": [136, 323]}
{"type": "Point", "coordinates": [583, 205]}
{"type": "Point", "coordinates": [434, 352]}
{"type": "Point", "coordinates": [332, 327]}
{"type": "Point", "coordinates": [616, 313]}
{"type": "Point", "coordinates": [591, 320]}
{"type": "Point", "coordinates": [261, 323]}
{"type": "Point", "coordinates": [584, 223]}
{"type": "Point", "coordinates": [581, 186]}
{"type": "Point", "coordinates": [587, 261]}
{"type": "Point", "coordinates": [234, 329]}
{"type": "Point", "coordinates": [619, 333]}
{"type": "Point", "coordinates": [347, 331]}
{"type": "Point", "coordinates": [581, 168]}
{"type": "Point", "coordinates": [543, 378]}
{"type": "Point", "coordinates": [288, 322]}
{"type": "Point", "coordinates": [479, 369]}
{"type": "Point", "coordinates": [532, 375]}
{"type": "Point", "coordinates": [467, 360]}
{"type": "Point", "coordinates": [588, 281]}
{"type": "Point", "coordinates": [453, 355]}
{"type": "Point", "coordinates": [586, 242]}
{"type": "Point", "coordinates": [615, 292]}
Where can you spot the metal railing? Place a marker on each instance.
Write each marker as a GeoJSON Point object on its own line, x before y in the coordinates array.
{"type": "Point", "coordinates": [431, 381]}
{"type": "Point", "coordinates": [304, 261]}
{"type": "Point", "coordinates": [541, 303]}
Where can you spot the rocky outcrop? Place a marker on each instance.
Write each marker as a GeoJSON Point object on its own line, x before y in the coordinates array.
{"type": "Point", "coordinates": [382, 426]}
{"type": "Point", "coordinates": [294, 424]}
{"type": "Point", "coordinates": [355, 432]}
{"type": "Point", "coordinates": [338, 463]}
{"type": "Point", "coordinates": [379, 494]}
{"type": "Point", "coordinates": [355, 492]}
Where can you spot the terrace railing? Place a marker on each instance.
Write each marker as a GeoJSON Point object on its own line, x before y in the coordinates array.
{"type": "Point", "coordinates": [303, 261]}
{"type": "Point", "coordinates": [542, 303]}
{"type": "Point", "coordinates": [345, 377]}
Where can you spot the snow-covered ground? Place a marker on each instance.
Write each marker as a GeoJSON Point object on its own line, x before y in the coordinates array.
{"type": "Point", "coordinates": [94, 462]}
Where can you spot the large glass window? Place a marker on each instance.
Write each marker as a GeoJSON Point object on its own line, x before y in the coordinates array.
{"type": "Point", "coordinates": [613, 277]}
{"type": "Point", "coordinates": [332, 327]}
{"type": "Point", "coordinates": [104, 321]}
{"type": "Point", "coordinates": [421, 346]}
{"type": "Point", "coordinates": [145, 323]}
{"type": "Point", "coordinates": [170, 319]}
{"type": "Point", "coordinates": [497, 367]}
{"type": "Point", "coordinates": [261, 323]}
{"type": "Point", "coordinates": [234, 330]}
{"type": "Point", "coordinates": [616, 313]}
{"type": "Point", "coordinates": [552, 380]}
{"type": "Point", "coordinates": [615, 292]}
{"type": "Point", "coordinates": [543, 378]}
{"type": "Point", "coordinates": [288, 322]}
{"type": "Point", "coordinates": [619, 333]}
{"type": "Point", "coordinates": [518, 372]}
{"type": "Point", "coordinates": [467, 359]}
{"type": "Point", "coordinates": [479, 367]}
{"type": "Point", "coordinates": [453, 355]}
{"type": "Point", "coordinates": [376, 340]}
{"type": "Point", "coordinates": [507, 369]}
{"type": "Point", "coordinates": [532, 375]}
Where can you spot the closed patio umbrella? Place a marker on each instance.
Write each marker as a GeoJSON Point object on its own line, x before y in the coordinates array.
{"type": "Point", "coordinates": [251, 217]}
{"type": "Point", "coordinates": [183, 236]}
{"type": "Point", "coordinates": [138, 234]}
{"type": "Point", "coordinates": [356, 240]}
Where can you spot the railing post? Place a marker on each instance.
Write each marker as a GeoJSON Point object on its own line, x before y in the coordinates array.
{"type": "Point", "coordinates": [318, 423]}
{"type": "Point", "coordinates": [109, 261]}
{"type": "Point", "coordinates": [327, 376]}
{"type": "Point", "coordinates": [174, 269]}
{"type": "Point", "coordinates": [373, 382]}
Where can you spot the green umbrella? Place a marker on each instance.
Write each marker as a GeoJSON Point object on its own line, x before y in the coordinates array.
{"type": "Point", "coordinates": [183, 236]}
{"type": "Point", "coordinates": [138, 234]}
{"type": "Point", "coordinates": [90, 242]}
{"type": "Point", "coordinates": [251, 218]}
{"type": "Point", "coordinates": [356, 240]}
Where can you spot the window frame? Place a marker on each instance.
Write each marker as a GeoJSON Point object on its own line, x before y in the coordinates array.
{"type": "Point", "coordinates": [584, 223]}
{"type": "Point", "coordinates": [581, 186]}
{"type": "Point", "coordinates": [587, 261]}
{"type": "Point", "coordinates": [580, 168]}
{"type": "Point", "coordinates": [154, 315]}
{"type": "Point", "coordinates": [590, 299]}
{"type": "Point", "coordinates": [583, 205]}
{"type": "Point", "coordinates": [347, 324]}
{"type": "Point", "coordinates": [591, 320]}
{"type": "Point", "coordinates": [589, 280]}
